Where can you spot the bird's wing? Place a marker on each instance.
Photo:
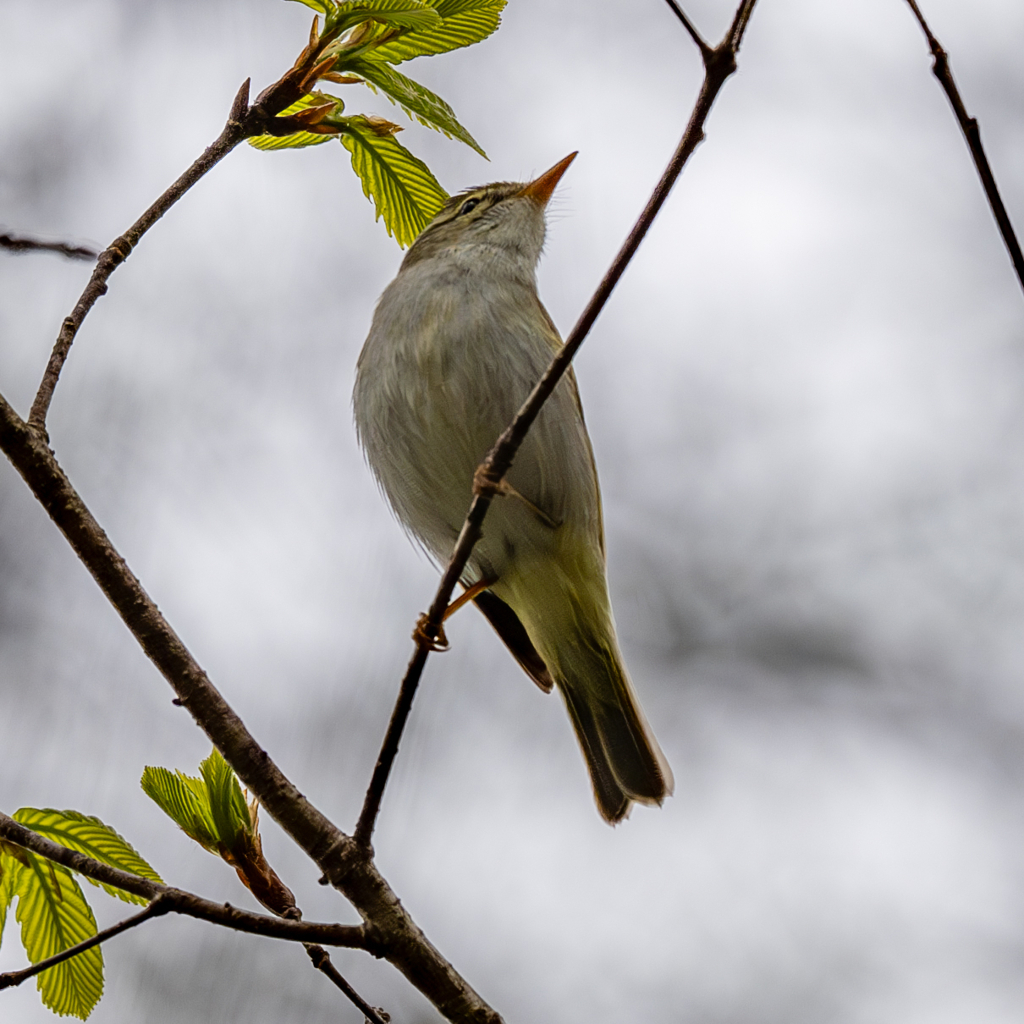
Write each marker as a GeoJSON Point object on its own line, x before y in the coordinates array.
{"type": "Point", "coordinates": [555, 340]}
{"type": "Point", "coordinates": [507, 625]}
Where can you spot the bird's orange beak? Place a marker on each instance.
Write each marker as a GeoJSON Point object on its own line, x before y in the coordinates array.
{"type": "Point", "coordinates": [540, 189]}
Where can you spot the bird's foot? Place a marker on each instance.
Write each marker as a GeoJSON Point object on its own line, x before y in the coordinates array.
{"type": "Point", "coordinates": [466, 596]}
{"type": "Point", "coordinates": [422, 638]}
{"type": "Point", "coordinates": [486, 486]}
{"type": "Point", "coordinates": [440, 642]}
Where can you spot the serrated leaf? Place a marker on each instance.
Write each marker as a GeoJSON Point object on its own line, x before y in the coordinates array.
{"type": "Point", "coordinates": [463, 22]}
{"type": "Point", "coordinates": [401, 186]}
{"type": "Point", "coordinates": [9, 868]}
{"type": "Point", "coordinates": [296, 141]}
{"type": "Point", "coordinates": [54, 915]}
{"type": "Point", "coordinates": [93, 838]}
{"type": "Point", "coordinates": [227, 802]}
{"type": "Point", "coordinates": [416, 100]}
{"type": "Point", "coordinates": [407, 14]}
{"type": "Point", "coordinates": [185, 800]}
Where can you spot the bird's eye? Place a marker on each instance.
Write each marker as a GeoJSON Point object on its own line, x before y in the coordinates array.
{"type": "Point", "coordinates": [468, 205]}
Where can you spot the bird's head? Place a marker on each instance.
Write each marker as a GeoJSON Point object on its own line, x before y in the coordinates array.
{"type": "Point", "coordinates": [506, 217]}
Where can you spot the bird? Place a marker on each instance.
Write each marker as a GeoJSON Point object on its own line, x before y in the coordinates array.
{"type": "Point", "coordinates": [458, 340]}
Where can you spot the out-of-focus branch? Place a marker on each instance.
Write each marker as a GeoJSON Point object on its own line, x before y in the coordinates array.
{"type": "Point", "coordinates": [22, 243]}
{"type": "Point", "coordinates": [178, 901]}
{"type": "Point", "coordinates": [391, 930]}
{"type": "Point", "coordinates": [719, 64]}
{"type": "Point", "coordinates": [972, 135]}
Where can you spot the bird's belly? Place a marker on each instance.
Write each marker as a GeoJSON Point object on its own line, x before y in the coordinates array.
{"type": "Point", "coordinates": [435, 407]}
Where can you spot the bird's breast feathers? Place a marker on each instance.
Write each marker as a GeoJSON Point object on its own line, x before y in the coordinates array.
{"type": "Point", "coordinates": [451, 357]}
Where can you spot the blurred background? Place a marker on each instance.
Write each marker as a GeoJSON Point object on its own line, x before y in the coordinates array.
{"type": "Point", "coordinates": [806, 403]}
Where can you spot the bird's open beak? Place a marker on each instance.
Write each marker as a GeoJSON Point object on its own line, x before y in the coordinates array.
{"type": "Point", "coordinates": [540, 189]}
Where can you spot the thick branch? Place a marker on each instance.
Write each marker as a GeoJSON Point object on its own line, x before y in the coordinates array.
{"type": "Point", "coordinates": [12, 979]}
{"type": "Point", "coordinates": [719, 64]}
{"type": "Point", "coordinates": [178, 901]}
{"type": "Point", "coordinates": [397, 936]}
{"type": "Point", "coordinates": [972, 135]}
{"type": "Point", "coordinates": [21, 243]}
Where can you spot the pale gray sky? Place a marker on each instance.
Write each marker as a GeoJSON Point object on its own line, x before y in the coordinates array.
{"type": "Point", "coordinates": [806, 403]}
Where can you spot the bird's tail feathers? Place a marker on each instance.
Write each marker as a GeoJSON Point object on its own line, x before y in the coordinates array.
{"type": "Point", "coordinates": [625, 762]}
{"type": "Point", "coordinates": [571, 627]}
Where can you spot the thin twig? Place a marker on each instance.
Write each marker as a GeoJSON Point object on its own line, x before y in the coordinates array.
{"type": "Point", "coordinates": [739, 25]}
{"type": "Point", "coordinates": [719, 65]}
{"type": "Point", "coordinates": [156, 908]}
{"type": "Point", "coordinates": [972, 135]}
{"type": "Point", "coordinates": [322, 962]}
{"type": "Point", "coordinates": [237, 128]}
{"type": "Point", "coordinates": [396, 726]}
{"type": "Point", "coordinates": [22, 243]}
{"type": "Point", "coordinates": [698, 39]}
{"type": "Point", "coordinates": [178, 901]}
{"type": "Point", "coordinates": [242, 123]}
{"type": "Point", "coordinates": [394, 933]}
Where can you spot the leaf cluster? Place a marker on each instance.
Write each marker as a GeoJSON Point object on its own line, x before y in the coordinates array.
{"type": "Point", "coordinates": [360, 43]}
{"type": "Point", "coordinates": [52, 910]}
{"type": "Point", "coordinates": [212, 810]}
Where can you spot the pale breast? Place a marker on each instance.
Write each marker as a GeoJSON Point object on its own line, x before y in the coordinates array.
{"type": "Point", "coordinates": [450, 357]}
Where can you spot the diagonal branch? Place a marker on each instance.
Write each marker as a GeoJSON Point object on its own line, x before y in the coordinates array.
{"type": "Point", "coordinates": [698, 39]}
{"type": "Point", "coordinates": [972, 135]}
{"type": "Point", "coordinates": [243, 122]}
{"type": "Point", "coordinates": [21, 243]}
{"type": "Point", "coordinates": [178, 901]}
{"type": "Point", "coordinates": [738, 28]}
{"type": "Point", "coordinates": [156, 908]}
{"type": "Point", "coordinates": [239, 126]}
{"type": "Point", "coordinates": [167, 900]}
{"type": "Point", "coordinates": [397, 937]}
{"type": "Point", "coordinates": [322, 962]}
{"type": "Point", "coordinates": [719, 64]}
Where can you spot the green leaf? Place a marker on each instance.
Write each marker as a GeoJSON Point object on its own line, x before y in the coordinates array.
{"type": "Point", "coordinates": [185, 800]}
{"type": "Point", "coordinates": [211, 809]}
{"type": "Point", "coordinates": [9, 868]}
{"type": "Point", "coordinates": [298, 139]}
{"type": "Point", "coordinates": [416, 100]}
{"type": "Point", "coordinates": [401, 186]}
{"type": "Point", "coordinates": [89, 836]}
{"type": "Point", "coordinates": [463, 22]}
{"type": "Point", "coordinates": [54, 916]}
{"type": "Point", "coordinates": [406, 14]}
{"type": "Point", "coordinates": [227, 802]}
{"type": "Point", "coordinates": [314, 4]}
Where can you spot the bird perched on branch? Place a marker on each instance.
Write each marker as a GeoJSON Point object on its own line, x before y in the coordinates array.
{"type": "Point", "coordinates": [458, 341]}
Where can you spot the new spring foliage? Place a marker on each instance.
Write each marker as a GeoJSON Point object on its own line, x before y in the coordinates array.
{"type": "Point", "coordinates": [360, 43]}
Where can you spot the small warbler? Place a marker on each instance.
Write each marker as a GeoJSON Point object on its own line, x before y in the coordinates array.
{"type": "Point", "coordinates": [458, 340]}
